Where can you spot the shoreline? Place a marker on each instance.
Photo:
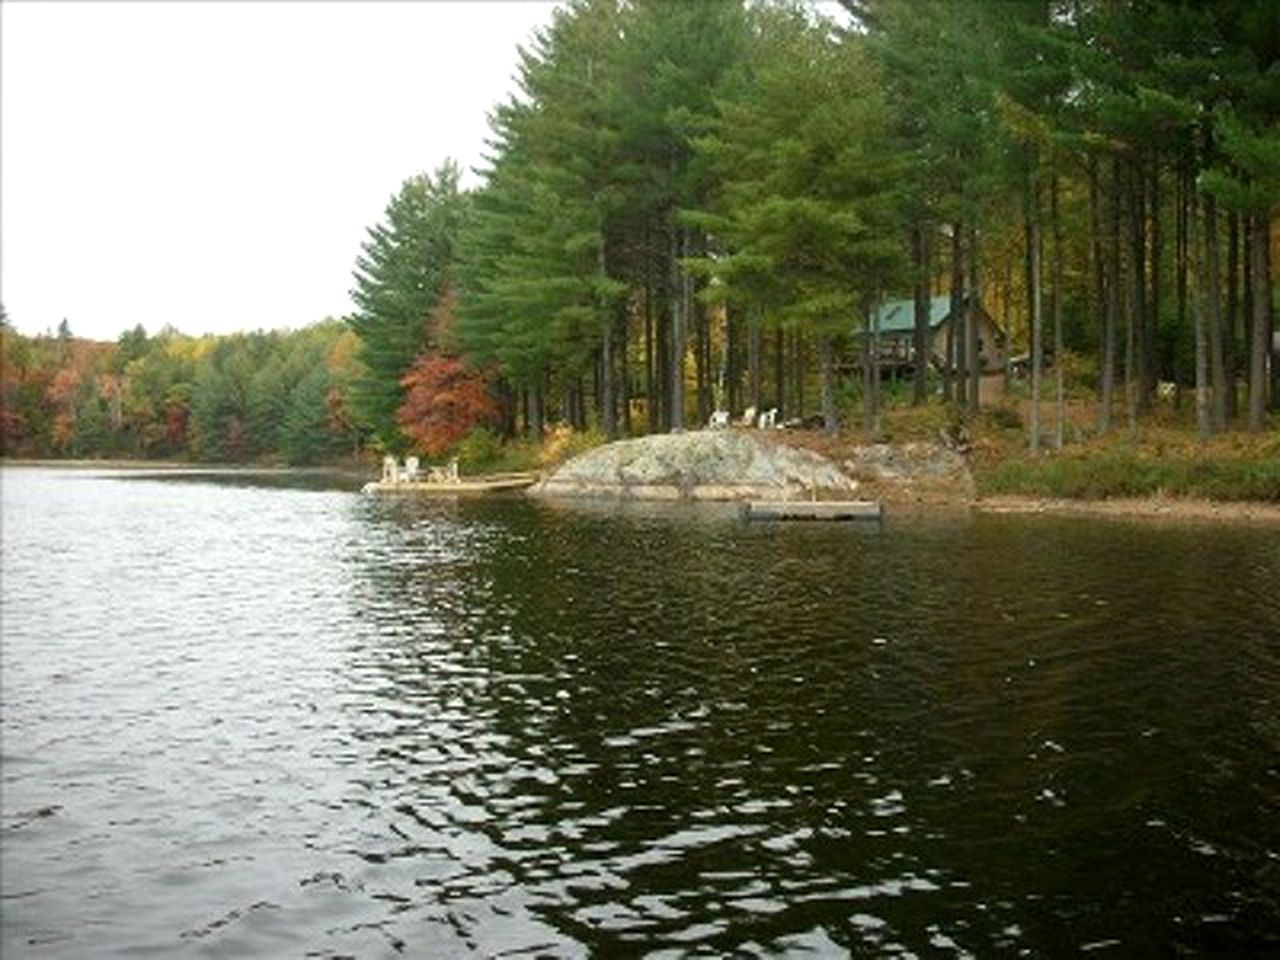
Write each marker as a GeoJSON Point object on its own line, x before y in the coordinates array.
{"type": "Point", "coordinates": [1143, 508]}
{"type": "Point", "coordinates": [894, 497]}
{"type": "Point", "coordinates": [181, 466]}
{"type": "Point", "coordinates": [89, 464]}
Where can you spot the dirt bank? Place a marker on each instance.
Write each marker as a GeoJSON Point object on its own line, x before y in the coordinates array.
{"type": "Point", "coordinates": [1152, 508]}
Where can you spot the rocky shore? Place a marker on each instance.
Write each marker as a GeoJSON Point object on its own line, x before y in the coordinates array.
{"type": "Point", "coordinates": [709, 465]}
{"type": "Point", "coordinates": [909, 472]}
{"type": "Point", "coordinates": [700, 465]}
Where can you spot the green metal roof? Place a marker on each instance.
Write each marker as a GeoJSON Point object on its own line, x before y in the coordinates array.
{"type": "Point", "coordinates": [899, 316]}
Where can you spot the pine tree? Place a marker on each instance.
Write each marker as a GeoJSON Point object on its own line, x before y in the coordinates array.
{"type": "Point", "coordinates": [401, 273]}
{"type": "Point", "coordinates": [809, 220]}
{"type": "Point", "coordinates": [537, 295]}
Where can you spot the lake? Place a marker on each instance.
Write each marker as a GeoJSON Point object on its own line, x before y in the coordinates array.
{"type": "Point", "coordinates": [268, 716]}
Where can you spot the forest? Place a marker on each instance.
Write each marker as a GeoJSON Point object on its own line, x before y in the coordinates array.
{"type": "Point", "coordinates": [692, 207]}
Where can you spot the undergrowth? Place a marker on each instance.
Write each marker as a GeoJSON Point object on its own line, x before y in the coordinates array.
{"type": "Point", "coordinates": [1099, 474]}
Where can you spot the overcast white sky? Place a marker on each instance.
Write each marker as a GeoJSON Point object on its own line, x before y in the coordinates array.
{"type": "Point", "coordinates": [214, 165]}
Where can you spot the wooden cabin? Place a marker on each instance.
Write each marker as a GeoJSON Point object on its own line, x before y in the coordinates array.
{"type": "Point", "coordinates": [896, 322]}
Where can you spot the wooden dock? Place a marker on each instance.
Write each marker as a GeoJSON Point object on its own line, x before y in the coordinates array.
{"type": "Point", "coordinates": [493, 483]}
{"type": "Point", "coordinates": [812, 510]}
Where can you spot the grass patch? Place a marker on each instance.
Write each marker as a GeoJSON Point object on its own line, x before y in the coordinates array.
{"type": "Point", "coordinates": [1101, 474]}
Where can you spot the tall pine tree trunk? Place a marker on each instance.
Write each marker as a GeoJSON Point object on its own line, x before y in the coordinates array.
{"type": "Point", "coordinates": [1213, 291]}
{"type": "Point", "coordinates": [949, 391]}
{"type": "Point", "coordinates": [679, 320]}
{"type": "Point", "coordinates": [1265, 294]}
{"type": "Point", "coordinates": [1150, 366]}
{"type": "Point", "coordinates": [624, 369]}
{"type": "Point", "coordinates": [780, 372]}
{"type": "Point", "coordinates": [608, 419]}
{"type": "Point", "coordinates": [662, 376]}
{"type": "Point", "coordinates": [755, 362]}
{"type": "Point", "coordinates": [1180, 271]}
{"type": "Point", "coordinates": [702, 324]}
{"type": "Point", "coordinates": [608, 412]}
{"type": "Point", "coordinates": [732, 375]}
{"type": "Point", "coordinates": [1199, 307]}
{"type": "Point", "coordinates": [1230, 322]}
{"type": "Point", "coordinates": [1132, 306]}
{"type": "Point", "coordinates": [1246, 306]}
{"type": "Point", "coordinates": [1099, 263]}
{"type": "Point", "coordinates": [973, 362]}
{"type": "Point", "coordinates": [1033, 296]}
{"type": "Point", "coordinates": [652, 359]}
{"type": "Point", "coordinates": [826, 371]}
{"type": "Point", "coordinates": [1112, 319]}
{"type": "Point", "coordinates": [920, 337]}
{"type": "Point", "coordinates": [1259, 327]}
{"type": "Point", "coordinates": [875, 368]}
{"type": "Point", "coordinates": [1137, 374]}
{"type": "Point", "coordinates": [1060, 402]}
{"type": "Point", "coordinates": [699, 369]}
{"type": "Point", "coordinates": [797, 374]}
{"type": "Point", "coordinates": [794, 373]}
{"type": "Point", "coordinates": [868, 373]}
{"type": "Point", "coordinates": [537, 413]}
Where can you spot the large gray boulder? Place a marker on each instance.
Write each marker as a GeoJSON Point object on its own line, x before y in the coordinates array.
{"type": "Point", "coordinates": [698, 465]}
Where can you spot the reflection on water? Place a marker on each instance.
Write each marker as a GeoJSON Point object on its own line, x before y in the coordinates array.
{"type": "Point", "coordinates": [241, 720]}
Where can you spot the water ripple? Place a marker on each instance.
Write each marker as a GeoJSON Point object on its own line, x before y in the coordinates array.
{"type": "Point", "coordinates": [242, 720]}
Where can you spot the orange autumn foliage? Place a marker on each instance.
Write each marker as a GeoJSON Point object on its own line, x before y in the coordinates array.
{"type": "Point", "coordinates": [443, 403]}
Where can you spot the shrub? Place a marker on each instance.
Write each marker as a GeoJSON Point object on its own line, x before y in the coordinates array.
{"type": "Point", "coordinates": [1004, 418]}
{"type": "Point", "coordinates": [479, 449]}
{"type": "Point", "coordinates": [443, 403]}
{"type": "Point", "coordinates": [562, 442]}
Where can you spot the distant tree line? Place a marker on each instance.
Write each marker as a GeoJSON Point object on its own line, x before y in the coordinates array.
{"type": "Point", "coordinates": [698, 206]}
{"type": "Point", "coordinates": [216, 398]}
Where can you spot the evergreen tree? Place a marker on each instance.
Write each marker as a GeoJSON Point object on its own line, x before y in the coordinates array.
{"type": "Point", "coordinates": [808, 217]}
{"type": "Point", "coordinates": [1245, 174]}
{"type": "Point", "coordinates": [538, 297]}
{"type": "Point", "coordinates": [304, 435]}
{"type": "Point", "coordinates": [406, 262]}
{"type": "Point", "coordinates": [679, 63]}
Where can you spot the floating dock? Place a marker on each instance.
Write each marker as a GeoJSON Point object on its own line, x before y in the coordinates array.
{"type": "Point", "coordinates": [812, 510]}
{"type": "Point", "coordinates": [494, 483]}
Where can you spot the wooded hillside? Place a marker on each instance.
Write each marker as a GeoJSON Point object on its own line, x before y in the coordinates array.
{"type": "Point", "coordinates": [690, 207]}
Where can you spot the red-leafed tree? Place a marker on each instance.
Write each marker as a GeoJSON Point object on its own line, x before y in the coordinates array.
{"type": "Point", "coordinates": [443, 402]}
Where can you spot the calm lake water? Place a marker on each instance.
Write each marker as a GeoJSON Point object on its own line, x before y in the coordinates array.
{"type": "Point", "coordinates": [244, 718]}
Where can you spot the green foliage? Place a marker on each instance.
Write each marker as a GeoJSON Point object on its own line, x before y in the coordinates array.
{"type": "Point", "coordinates": [806, 216]}
{"type": "Point", "coordinates": [672, 175]}
{"type": "Point", "coordinates": [479, 450]}
{"type": "Point", "coordinates": [405, 267]}
{"type": "Point", "coordinates": [590, 168]}
{"type": "Point", "coordinates": [304, 436]}
{"type": "Point", "coordinates": [537, 288]}
{"type": "Point", "coordinates": [483, 451]}
{"type": "Point", "coordinates": [1098, 475]}
{"type": "Point", "coordinates": [232, 398]}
